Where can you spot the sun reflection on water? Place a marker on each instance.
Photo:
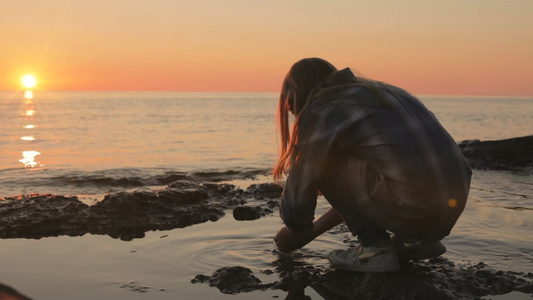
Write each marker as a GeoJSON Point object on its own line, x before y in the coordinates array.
{"type": "Point", "coordinates": [29, 156]}
{"type": "Point", "coordinates": [29, 159]}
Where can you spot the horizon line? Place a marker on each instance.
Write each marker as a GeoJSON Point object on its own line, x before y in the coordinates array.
{"type": "Point", "coordinates": [245, 92]}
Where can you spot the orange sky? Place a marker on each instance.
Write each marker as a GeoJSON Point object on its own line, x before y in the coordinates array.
{"type": "Point", "coordinates": [455, 47]}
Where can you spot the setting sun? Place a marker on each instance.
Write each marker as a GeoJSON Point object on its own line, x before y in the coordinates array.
{"type": "Point", "coordinates": [28, 81]}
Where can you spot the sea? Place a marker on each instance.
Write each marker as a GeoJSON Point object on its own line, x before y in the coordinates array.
{"type": "Point", "coordinates": [91, 144]}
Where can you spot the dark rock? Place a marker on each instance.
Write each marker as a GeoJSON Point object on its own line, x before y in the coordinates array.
{"type": "Point", "coordinates": [232, 280]}
{"type": "Point", "coordinates": [266, 190]}
{"type": "Point", "coordinates": [124, 215]}
{"type": "Point", "coordinates": [435, 279]}
{"type": "Point", "coordinates": [527, 288]}
{"type": "Point", "coordinates": [242, 213]}
{"type": "Point", "coordinates": [129, 215]}
{"type": "Point", "coordinates": [508, 154]}
{"type": "Point", "coordinates": [135, 287]}
{"type": "Point", "coordinates": [121, 222]}
{"type": "Point", "coordinates": [36, 216]}
{"type": "Point", "coordinates": [266, 195]}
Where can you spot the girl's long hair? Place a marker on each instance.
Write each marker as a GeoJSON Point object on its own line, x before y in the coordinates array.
{"type": "Point", "coordinates": [299, 88]}
{"type": "Point", "coordinates": [303, 77]}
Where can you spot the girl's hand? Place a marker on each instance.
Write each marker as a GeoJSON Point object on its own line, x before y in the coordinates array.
{"type": "Point", "coordinates": [287, 240]}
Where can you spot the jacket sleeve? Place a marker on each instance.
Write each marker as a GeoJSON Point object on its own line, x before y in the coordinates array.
{"type": "Point", "coordinates": [299, 197]}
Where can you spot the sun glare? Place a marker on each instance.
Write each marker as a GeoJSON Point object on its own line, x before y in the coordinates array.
{"type": "Point", "coordinates": [28, 81]}
{"type": "Point", "coordinates": [29, 158]}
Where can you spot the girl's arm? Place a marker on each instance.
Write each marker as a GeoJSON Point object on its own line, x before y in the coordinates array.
{"type": "Point", "coordinates": [287, 240]}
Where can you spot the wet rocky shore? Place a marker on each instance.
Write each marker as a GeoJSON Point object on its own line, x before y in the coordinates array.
{"type": "Point", "coordinates": [128, 215]}
{"type": "Point", "coordinates": [195, 198]}
{"type": "Point", "coordinates": [437, 278]}
{"type": "Point", "coordinates": [190, 199]}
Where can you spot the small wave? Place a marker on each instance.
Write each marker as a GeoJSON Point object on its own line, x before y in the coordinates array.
{"type": "Point", "coordinates": [66, 182]}
{"type": "Point", "coordinates": [99, 181]}
{"type": "Point", "coordinates": [145, 178]}
{"type": "Point", "coordinates": [519, 208]}
{"type": "Point", "coordinates": [500, 191]}
{"type": "Point", "coordinates": [217, 176]}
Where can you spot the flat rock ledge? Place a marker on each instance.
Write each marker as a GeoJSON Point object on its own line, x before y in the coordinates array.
{"type": "Point", "coordinates": [128, 215]}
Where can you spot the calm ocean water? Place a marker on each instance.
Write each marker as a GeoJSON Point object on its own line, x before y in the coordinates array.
{"type": "Point", "coordinates": [72, 139]}
{"type": "Point", "coordinates": [90, 144]}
